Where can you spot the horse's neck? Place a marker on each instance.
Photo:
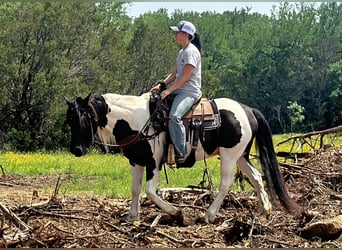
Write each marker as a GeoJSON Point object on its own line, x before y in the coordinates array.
{"type": "Point", "coordinates": [133, 109]}
{"type": "Point", "coordinates": [126, 102]}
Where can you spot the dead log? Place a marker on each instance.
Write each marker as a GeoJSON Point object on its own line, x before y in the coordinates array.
{"type": "Point", "coordinates": [329, 229]}
{"type": "Point", "coordinates": [294, 156]}
{"type": "Point", "coordinates": [6, 184]}
{"type": "Point", "coordinates": [302, 138]}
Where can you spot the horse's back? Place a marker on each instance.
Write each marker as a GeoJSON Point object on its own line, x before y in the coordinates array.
{"type": "Point", "coordinates": [235, 107]}
{"type": "Point", "coordinates": [228, 104]}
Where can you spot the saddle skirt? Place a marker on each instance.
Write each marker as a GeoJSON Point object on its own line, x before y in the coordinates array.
{"type": "Point", "coordinates": [205, 112]}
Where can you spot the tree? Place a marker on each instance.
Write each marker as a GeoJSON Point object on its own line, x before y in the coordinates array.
{"type": "Point", "coordinates": [49, 51]}
{"type": "Point", "coordinates": [295, 114]}
{"type": "Point", "coordinates": [152, 50]}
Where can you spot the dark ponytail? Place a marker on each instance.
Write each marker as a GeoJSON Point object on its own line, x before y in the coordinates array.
{"type": "Point", "coordinates": [196, 41]}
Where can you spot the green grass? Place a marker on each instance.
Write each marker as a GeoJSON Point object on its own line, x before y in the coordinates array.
{"type": "Point", "coordinates": [100, 174]}
{"type": "Point", "coordinates": [93, 173]}
{"type": "Point", "coordinates": [108, 174]}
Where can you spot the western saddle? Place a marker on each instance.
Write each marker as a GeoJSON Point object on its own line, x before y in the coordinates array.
{"type": "Point", "coordinates": [203, 116]}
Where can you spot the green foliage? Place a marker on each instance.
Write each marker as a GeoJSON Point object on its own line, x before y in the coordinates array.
{"type": "Point", "coordinates": [56, 49]}
{"type": "Point", "coordinates": [150, 49]}
{"type": "Point", "coordinates": [334, 113]}
{"type": "Point", "coordinates": [296, 115]}
{"type": "Point", "coordinates": [19, 140]}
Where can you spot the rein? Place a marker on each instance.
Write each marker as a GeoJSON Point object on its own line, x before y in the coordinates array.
{"type": "Point", "coordinates": [134, 139]}
{"type": "Point", "coordinates": [130, 141]}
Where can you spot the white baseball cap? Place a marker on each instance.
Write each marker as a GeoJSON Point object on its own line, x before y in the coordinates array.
{"type": "Point", "coordinates": [184, 26]}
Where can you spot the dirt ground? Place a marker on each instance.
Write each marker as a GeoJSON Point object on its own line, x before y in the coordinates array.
{"type": "Point", "coordinates": [67, 221]}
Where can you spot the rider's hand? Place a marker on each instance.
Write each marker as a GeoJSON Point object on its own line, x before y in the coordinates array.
{"type": "Point", "coordinates": [155, 89]}
{"type": "Point", "coordinates": [161, 85]}
{"type": "Point", "coordinates": [164, 94]}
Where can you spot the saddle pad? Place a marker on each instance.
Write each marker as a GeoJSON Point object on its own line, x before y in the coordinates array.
{"type": "Point", "coordinates": [202, 111]}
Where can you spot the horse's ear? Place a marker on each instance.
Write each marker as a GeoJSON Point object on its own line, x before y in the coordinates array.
{"type": "Point", "coordinates": [86, 100]}
{"type": "Point", "coordinates": [69, 102]}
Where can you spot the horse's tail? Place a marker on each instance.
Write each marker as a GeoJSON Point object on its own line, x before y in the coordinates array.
{"type": "Point", "coordinates": [269, 164]}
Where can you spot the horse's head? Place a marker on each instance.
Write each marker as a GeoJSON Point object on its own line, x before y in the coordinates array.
{"type": "Point", "coordinates": [83, 120]}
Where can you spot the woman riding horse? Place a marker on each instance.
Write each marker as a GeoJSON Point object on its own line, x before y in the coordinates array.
{"type": "Point", "coordinates": [120, 118]}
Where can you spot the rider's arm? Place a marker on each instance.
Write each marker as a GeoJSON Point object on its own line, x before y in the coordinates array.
{"type": "Point", "coordinates": [187, 71]}
{"type": "Point", "coordinates": [171, 77]}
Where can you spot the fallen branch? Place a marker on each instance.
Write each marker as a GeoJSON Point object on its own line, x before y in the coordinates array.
{"type": "Point", "coordinates": [2, 171]}
{"type": "Point", "coordinates": [14, 218]}
{"type": "Point", "coordinates": [274, 240]}
{"type": "Point", "coordinates": [155, 221]}
{"type": "Point", "coordinates": [322, 133]}
{"type": "Point", "coordinates": [14, 239]}
{"type": "Point", "coordinates": [6, 184]}
{"type": "Point", "coordinates": [56, 190]}
{"type": "Point", "coordinates": [90, 235]}
{"type": "Point", "coordinates": [66, 216]}
{"type": "Point", "coordinates": [53, 199]}
{"type": "Point", "coordinates": [185, 241]}
{"type": "Point", "coordinates": [120, 239]}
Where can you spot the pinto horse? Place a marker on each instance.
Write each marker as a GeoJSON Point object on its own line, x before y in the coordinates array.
{"type": "Point", "coordinates": [119, 119]}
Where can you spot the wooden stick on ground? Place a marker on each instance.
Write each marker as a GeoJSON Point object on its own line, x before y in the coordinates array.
{"type": "Point", "coordinates": [6, 184]}
{"type": "Point", "coordinates": [2, 171]}
{"type": "Point", "coordinates": [155, 221]}
{"type": "Point", "coordinates": [14, 218]}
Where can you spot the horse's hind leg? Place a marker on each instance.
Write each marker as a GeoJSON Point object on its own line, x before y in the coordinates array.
{"type": "Point", "coordinates": [255, 178]}
{"type": "Point", "coordinates": [227, 178]}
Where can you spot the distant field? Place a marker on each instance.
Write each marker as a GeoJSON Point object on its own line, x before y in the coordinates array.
{"type": "Point", "coordinates": [107, 174]}
{"type": "Point", "coordinates": [97, 173]}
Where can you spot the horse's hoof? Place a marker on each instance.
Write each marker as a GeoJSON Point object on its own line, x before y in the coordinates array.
{"type": "Point", "coordinates": [131, 219]}
{"type": "Point", "coordinates": [267, 212]}
{"type": "Point", "coordinates": [209, 219]}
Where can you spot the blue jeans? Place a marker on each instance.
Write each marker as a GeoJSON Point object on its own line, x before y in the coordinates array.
{"type": "Point", "coordinates": [180, 106]}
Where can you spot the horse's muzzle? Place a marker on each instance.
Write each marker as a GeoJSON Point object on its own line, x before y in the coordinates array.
{"type": "Point", "coordinates": [78, 151]}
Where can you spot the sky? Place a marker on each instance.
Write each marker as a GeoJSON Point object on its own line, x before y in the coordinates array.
{"type": "Point", "coordinates": [138, 8]}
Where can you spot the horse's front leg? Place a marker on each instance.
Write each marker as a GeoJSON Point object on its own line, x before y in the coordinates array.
{"type": "Point", "coordinates": [151, 186]}
{"type": "Point", "coordinates": [137, 176]}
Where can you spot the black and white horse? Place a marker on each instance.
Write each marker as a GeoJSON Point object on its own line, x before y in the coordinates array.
{"type": "Point", "coordinates": [120, 118]}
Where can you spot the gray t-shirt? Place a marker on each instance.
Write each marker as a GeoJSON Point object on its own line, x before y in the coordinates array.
{"type": "Point", "coordinates": [190, 55]}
